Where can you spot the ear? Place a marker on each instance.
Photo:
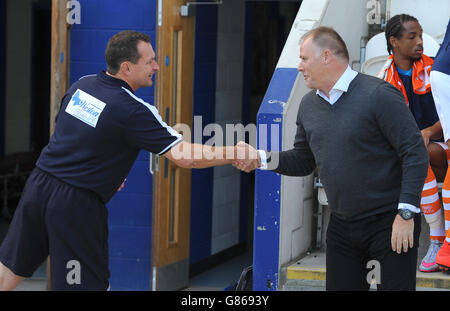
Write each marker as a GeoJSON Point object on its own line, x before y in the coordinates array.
{"type": "Point", "coordinates": [327, 55]}
{"type": "Point", "coordinates": [393, 42]}
{"type": "Point", "coordinates": [124, 68]}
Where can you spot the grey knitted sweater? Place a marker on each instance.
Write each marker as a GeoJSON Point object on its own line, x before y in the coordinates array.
{"type": "Point", "coordinates": [367, 147]}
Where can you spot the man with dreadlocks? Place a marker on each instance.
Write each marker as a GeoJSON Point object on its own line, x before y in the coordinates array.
{"type": "Point", "coordinates": [408, 69]}
{"type": "Point", "coordinates": [440, 82]}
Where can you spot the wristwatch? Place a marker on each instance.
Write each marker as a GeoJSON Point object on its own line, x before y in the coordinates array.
{"type": "Point", "coordinates": [406, 214]}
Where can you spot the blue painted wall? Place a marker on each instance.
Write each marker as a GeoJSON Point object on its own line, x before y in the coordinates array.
{"type": "Point", "coordinates": [130, 211]}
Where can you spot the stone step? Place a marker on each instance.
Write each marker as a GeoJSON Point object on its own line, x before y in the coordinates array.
{"type": "Point", "coordinates": [309, 273]}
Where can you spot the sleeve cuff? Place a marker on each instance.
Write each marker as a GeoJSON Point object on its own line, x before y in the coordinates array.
{"type": "Point", "coordinates": [176, 142]}
{"type": "Point", "coordinates": [263, 156]}
{"type": "Point", "coordinates": [410, 207]}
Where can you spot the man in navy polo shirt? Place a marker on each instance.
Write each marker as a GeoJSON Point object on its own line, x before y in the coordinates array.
{"type": "Point", "coordinates": [100, 129]}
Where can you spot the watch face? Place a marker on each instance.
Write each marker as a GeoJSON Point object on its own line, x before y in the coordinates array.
{"type": "Point", "coordinates": [406, 214]}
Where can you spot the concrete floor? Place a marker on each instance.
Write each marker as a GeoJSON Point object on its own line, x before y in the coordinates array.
{"type": "Point", "coordinates": [39, 285]}
{"type": "Point", "coordinates": [222, 276]}
{"type": "Point", "coordinates": [216, 279]}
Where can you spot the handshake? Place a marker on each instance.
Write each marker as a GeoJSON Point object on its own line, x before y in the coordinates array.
{"type": "Point", "coordinates": [246, 158]}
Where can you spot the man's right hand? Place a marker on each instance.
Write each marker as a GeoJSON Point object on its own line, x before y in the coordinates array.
{"type": "Point", "coordinates": [247, 157]}
{"type": "Point", "coordinates": [402, 234]}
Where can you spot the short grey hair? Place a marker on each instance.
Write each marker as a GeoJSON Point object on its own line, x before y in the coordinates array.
{"type": "Point", "coordinates": [328, 38]}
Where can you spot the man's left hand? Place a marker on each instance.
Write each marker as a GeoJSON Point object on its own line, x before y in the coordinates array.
{"type": "Point", "coordinates": [402, 234]}
{"type": "Point", "coordinates": [247, 157]}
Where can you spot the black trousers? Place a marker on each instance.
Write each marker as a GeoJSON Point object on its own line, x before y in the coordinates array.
{"type": "Point", "coordinates": [69, 224]}
{"type": "Point", "coordinates": [358, 250]}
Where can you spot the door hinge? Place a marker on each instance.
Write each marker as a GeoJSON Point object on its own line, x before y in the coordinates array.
{"type": "Point", "coordinates": [159, 13]}
{"type": "Point", "coordinates": [189, 8]}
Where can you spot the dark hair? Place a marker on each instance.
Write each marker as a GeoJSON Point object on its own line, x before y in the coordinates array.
{"type": "Point", "coordinates": [394, 28]}
{"type": "Point", "coordinates": [123, 47]}
{"type": "Point", "coordinates": [328, 38]}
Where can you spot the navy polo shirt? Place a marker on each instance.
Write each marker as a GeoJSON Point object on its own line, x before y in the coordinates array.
{"type": "Point", "coordinates": [442, 59]}
{"type": "Point", "coordinates": [99, 131]}
{"type": "Point", "coordinates": [421, 105]}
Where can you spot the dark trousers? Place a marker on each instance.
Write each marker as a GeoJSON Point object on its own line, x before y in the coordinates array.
{"type": "Point", "coordinates": [69, 224]}
{"type": "Point", "coordinates": [362, 248]}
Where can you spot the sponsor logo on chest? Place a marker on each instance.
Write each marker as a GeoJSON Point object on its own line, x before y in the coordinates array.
{"type": "Point", "coordinates": [85, 107]}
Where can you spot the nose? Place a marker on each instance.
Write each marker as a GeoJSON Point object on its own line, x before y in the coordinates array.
{"type": "Point", "coordinates": [300, 66]}
{"type": "Point", "coordinates": [155, 66]}
{"type": "Point", "coordinates": [420, 41]}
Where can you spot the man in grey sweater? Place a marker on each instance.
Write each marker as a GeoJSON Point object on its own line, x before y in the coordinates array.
{"type": "Point", "coordinates": [371, 160]}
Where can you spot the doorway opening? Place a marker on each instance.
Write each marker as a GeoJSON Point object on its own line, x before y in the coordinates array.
{"type": "Point", "coordinates": [249, 38]}
{"type": "Point", "coordinates": [268, 24]}
{"type": "Point", "coordinates": [25, 49]}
